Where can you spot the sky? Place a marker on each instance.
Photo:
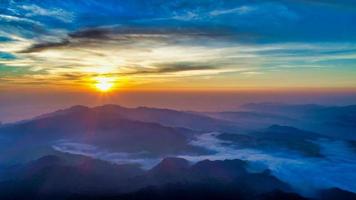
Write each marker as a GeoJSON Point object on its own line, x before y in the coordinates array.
{"type": "Point", "coordinates": [160, 45]}
{"type": "Point", "coordinates": [187, 44]}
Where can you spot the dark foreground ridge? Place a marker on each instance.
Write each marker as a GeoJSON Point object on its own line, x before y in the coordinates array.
{"type": "Point", "coordinates": [78, 177]}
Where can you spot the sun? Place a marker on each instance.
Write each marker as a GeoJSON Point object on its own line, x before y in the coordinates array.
{"type": "Point", "coordinates": [104, 84]}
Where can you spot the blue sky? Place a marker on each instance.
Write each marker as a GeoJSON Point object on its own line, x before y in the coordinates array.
{"type": "Point", "coordinates": [146, 44]}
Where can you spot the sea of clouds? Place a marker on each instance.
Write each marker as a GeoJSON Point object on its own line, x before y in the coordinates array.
{"type": "Point", "coordinates": [305, 174]}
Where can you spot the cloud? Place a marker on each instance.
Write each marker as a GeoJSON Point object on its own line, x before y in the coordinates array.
{"type": "Point", "coordinates": [251, 73]}
{"type": "Point", "coordinates": [239, 10]}
{"type": "Point", "coordinates": [162, 68]}
{"type": "Point", "coordinates": [60, 14]}
{"type": "Point", "coordinates": [128, 36]}
{"type": "Point", "coordinates": [267, 10]}
{"type": "Point", "coordinates": [159, 69]}
{"type": "Point", "coordinates": [11, 18]}
{"type": "Point", "coordinates": [93, 33]}
{"type": "Point", "coordinates": [45, 45]}
{"type": "Point", "coordinates": [151, 56]}
{"type": "Point", "coordinates": [148, 32]}
{"type": "Point", "coordinates": [188, 16]}
{"type": "Point", "coordinates": [306, 175]}
{"type": "Point", "coordinates": [98, 153]}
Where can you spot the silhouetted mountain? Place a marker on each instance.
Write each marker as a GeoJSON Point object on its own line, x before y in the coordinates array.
{"type": "Point", "coordinates": [336, 193]}
{"type": "Point", "coordinates": [168, 117]}
{"type": "Point", "coordinates": [79, 177]}
{"type": "Point", "coordinates": [192, 192]}
{"type": "Point", "coordinates": [61, 176]}
{"type": "Point", "coordinates": [226, 170]}
{"type": "Point", "coordinates": [53, 176]}
{"type": "Point", "coordinates": [220, 174]}
{"type": "Point", "coordinates": [207, 191]}
{"type": "Point", "coordinates": [170, 165]}
{"type": "Point", "coordinates": [278, 194]}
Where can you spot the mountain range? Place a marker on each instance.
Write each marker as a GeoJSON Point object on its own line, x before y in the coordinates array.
{"type": "Point", "coordinates": [113, 152]}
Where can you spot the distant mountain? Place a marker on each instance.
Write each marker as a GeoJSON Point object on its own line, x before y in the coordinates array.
{"type": "Point", "coordinates": [166, 117]}
{"type": "Point", "coordinates": [289, 133]}
{"type": "Point", "coordinates": [275, 137]}
{"type": "Point", "coordinates": [251, 119]}
{"type": "Point", "coordinates": [295, 110]}
{"type": "Point", "coordinates": [169, 117]}
{"type": "Point", "coordinates": [110, 127]}
{"type": "Point", "coordinates": [336, 121]}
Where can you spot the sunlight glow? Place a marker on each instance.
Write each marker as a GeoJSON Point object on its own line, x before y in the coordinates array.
{"type": "Point", "coordinates": [104, 84]}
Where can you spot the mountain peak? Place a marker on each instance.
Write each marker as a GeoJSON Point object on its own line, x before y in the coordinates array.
{"type": "Point", "coordinates": [78, 108]}
{"type": "Point", "coordinates": [109, 106]}
{"type": "Point", "coordinates": [46, 161]}
{"type": "Point", "coordinates": [171, 164]}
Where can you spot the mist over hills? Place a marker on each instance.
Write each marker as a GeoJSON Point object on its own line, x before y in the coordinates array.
{"type": "Point", "coordinates": [263, 151]}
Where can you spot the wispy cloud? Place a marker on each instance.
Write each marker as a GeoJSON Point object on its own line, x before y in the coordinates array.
{"type": "Point", "coordinates": [267, 10]}
{"type": "Point", "coordinates": [60, 14]}
{"type": "Point", "coordinates": [239, 10]}
{"type": "Point", "coordinates": [98, 153]}
{"type": "Point", "coordinates": [11, 18]}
